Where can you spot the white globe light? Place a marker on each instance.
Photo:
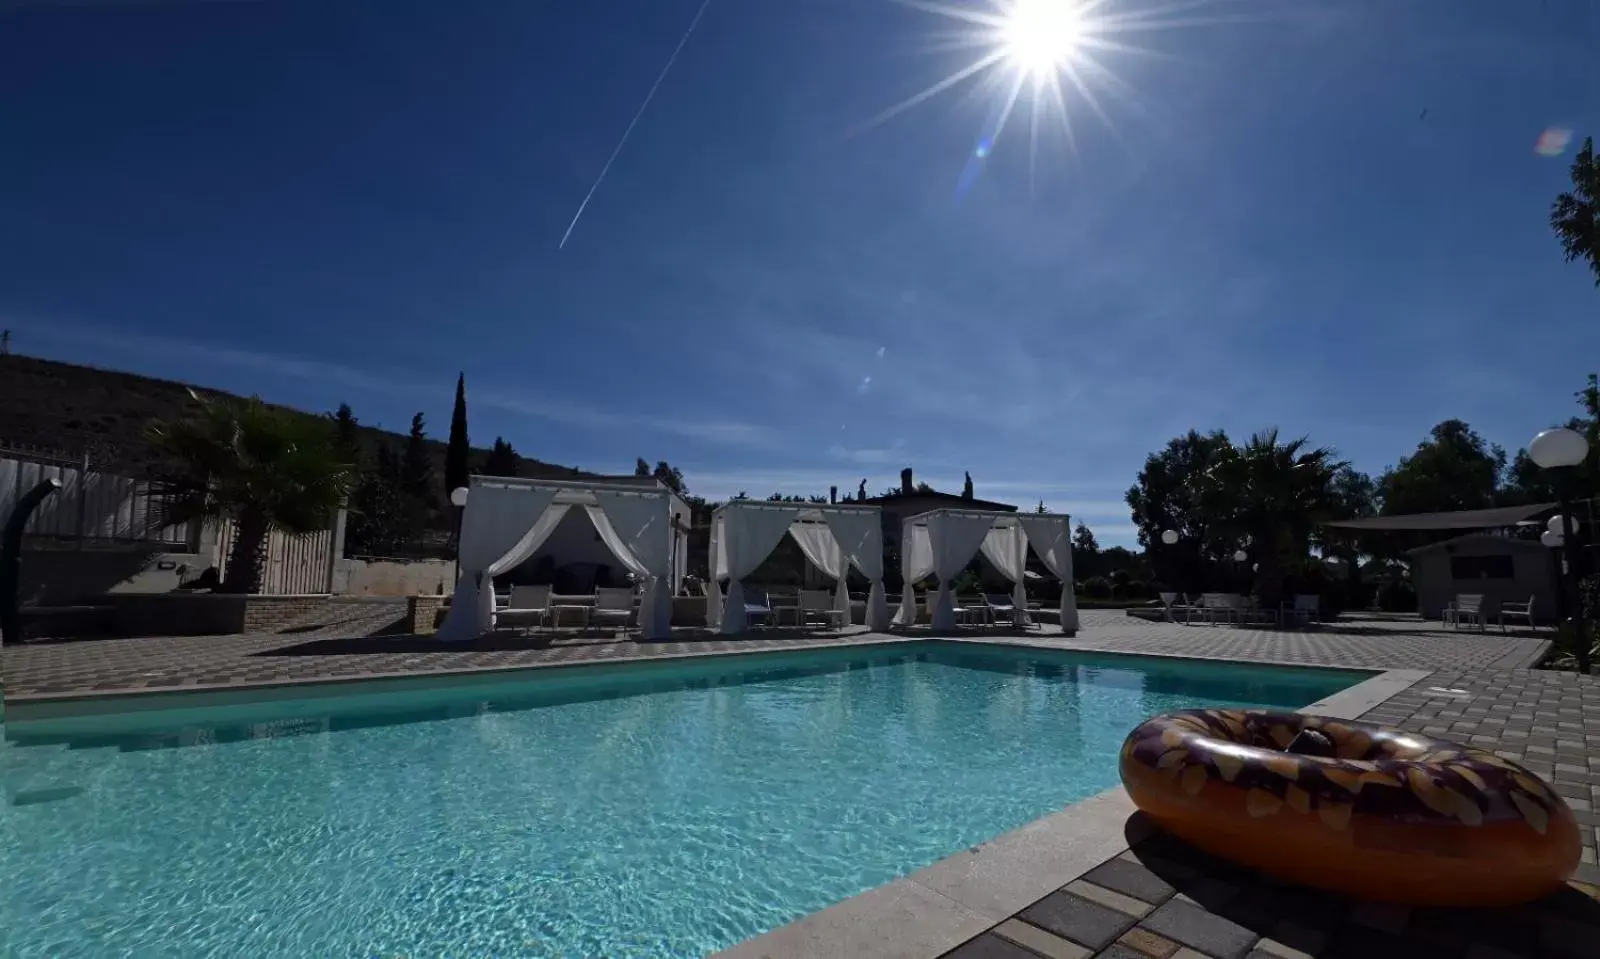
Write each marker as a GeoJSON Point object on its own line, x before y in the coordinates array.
{"type": "Point", "coordinates": [1558, 447]}
{"type": "Point", "coordinates": [1551, 539]}
{"type": "Point", "coordinates": [1170, 537]}
{"type": "Point", "coordinates": [458, 496]}
{"type": "Point", "coordinates": [1240, 556]}
{"type": "Point", "coordinates": [1555, 526]}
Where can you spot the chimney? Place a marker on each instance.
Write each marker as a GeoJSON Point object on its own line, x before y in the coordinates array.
{"type": "Point", "coordinates": [906, 486]}
{"type": "Point", "coordinates": [833, 494]}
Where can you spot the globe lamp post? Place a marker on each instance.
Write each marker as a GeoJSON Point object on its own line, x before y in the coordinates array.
{"type": "Point", "coordinates": [1560, 450]}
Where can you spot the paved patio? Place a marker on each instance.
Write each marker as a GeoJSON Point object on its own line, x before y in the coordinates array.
{"type": "Point", "coordinates": [1150, 897]}
{"type": "Point", "coordinates": [1162, 899]}
{"type": "Point", "coordinates": [339, 651]}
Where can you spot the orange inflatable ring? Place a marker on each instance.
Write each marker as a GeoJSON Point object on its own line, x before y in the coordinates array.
{"type": "Point", "coordinates": [1390, 815]}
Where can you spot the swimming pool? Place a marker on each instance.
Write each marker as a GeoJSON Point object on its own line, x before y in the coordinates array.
{"type": "Point", "coordinates": [654, 810]}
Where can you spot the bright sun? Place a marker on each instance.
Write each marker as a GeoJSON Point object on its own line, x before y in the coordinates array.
{"type": "Point", "coordinates": [1043, 37]}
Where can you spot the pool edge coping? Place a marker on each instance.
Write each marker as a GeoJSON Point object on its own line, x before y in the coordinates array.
{"type": "Point", "coordinates": [929, 912]}
{"type": "Point", "coordinates": [133, 694]}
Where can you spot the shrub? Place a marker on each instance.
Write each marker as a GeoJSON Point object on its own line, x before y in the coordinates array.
{"type": "Point", "coordinates": [1397, 598]}
{"type": "Point", "coordinates": [1097, 587]}
{"type": "Point", "coordinates": [1137, 589]}
{"type": "Point", "coordinates": [1119, 577]}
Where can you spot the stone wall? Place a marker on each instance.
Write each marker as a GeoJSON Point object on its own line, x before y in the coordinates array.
{"type": "Point", "coordinates": [423, 614]}
{"type": "Point", "coordinates": [393, 577]}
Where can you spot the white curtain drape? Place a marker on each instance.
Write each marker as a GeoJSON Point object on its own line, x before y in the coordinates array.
{"type": "Point", "coordinates": [1007, 548]}
{"type": "Point", "coordinates": [1051, 539]}
{"type": "Point", "coordinates": [501, 527]}
{"type": "Point", "coordinates": [823, 550]}
{"type": "Point", "coordinates": [748, 536]}
{"type": "Point", "coordinates": [817, 542]}
{"type": "Point", "coordinates": [638, 529]}
{"type": "Point", "coordinates": [859, 534]}
{"type": "Point", "coordinates": [956, 538]}
{"type": "Point", "coordinates": [717, 564]}
{"type": "Point", "coordinates": [916, 561]}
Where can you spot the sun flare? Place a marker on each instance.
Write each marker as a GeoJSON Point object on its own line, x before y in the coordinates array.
{"type": "Point", "coordinates": [1042, 37]}
{"type": "Point", "coordinates": [1052, 58]}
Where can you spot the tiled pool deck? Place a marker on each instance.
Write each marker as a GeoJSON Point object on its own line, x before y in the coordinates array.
{"type": "Point", "coordinates": [1091, 880]}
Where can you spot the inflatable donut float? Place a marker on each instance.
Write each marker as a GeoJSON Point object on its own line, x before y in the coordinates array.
{"type": "Point", "coordinates": [1382, 814]}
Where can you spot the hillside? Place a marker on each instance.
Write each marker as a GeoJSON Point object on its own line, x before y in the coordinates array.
{"type": "Point", "coordinates": [77, 411]}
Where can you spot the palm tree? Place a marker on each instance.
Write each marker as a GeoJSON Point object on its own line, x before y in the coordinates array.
{"type": "Point", "coordinates": [263, 468]}
{"type": "Point", "coordinates": [1575, 216]}
{"type": "Point", "coordinates": [1271, 495]}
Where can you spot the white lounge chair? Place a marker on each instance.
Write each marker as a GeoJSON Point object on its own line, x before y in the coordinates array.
{"type": "Point", "coordinates": [528, 604]}
{"type": "Point", "coordinates": [1306, 608]}
{"type": "Point", "coordinates": [1467, 607]}
{"type": "Point", "coordinates": [819, 604]}
{"type": "Point", "coordinates": [613, 604]}
{"type": "Point", "coordinates": [1522, 611]}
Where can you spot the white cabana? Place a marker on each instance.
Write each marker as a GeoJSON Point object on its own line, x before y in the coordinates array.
{"type": "Point", "coordinates": [506, 520]}
{"type": "Point", "coordinates": [833, 536]}
{"type": "Point", "coordinates": [943, 541]}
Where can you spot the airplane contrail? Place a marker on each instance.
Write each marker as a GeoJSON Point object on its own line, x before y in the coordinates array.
{"type": "Point", "coordinates": [635, 121]}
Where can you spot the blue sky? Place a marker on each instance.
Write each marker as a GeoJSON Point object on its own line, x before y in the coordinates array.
{"type": "Point", "coordinates": [1322, 215]}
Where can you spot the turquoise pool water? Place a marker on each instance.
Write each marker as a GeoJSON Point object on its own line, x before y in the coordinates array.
{"type": "Point", "coordinates": [654, 811]}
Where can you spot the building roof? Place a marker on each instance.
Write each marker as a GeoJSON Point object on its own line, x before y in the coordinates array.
{"type": "Point", "coordinates": [950, 500]}
{"type": "Point", "coordinates": [1510, 543]}
{"type": "Point", "coordinates": [1459, 519]}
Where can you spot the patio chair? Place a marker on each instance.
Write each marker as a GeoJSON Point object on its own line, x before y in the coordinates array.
{"type": "Point", "coordinates": [528, 604]}
{"type": "Point", "coordinates": [818, 604]}
{"type": "Point", "coordinates": [999, 606]}
{"type": "Point", "coordinates": [1306, 608]}
{"type": "Point", "coordinates": [1215, 606]}
{"type": "Point", "coordinates": [612, 604]}
{"type": "Point", "coordinates": [1522, 611]}
{"type": "Point", "coordinates": [1465, 607]}
{"type": "Point", "coordinates": [757, 606]}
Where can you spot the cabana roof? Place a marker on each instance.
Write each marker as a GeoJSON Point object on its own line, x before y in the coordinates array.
{"type": "Point", "coordinates": [805, 512]}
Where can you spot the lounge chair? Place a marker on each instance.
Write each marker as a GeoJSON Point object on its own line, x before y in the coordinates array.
{"type": "Point", "coordinates": [818, 604]}
{"type": "Point", "coordinates": [1466, 607]}
{"type": "Point", "coordinates": [757, 605]}
{"type": "Point", "coordinates": [612, 604]}
{"type": "Point", "coordinates": [999, 606]}
{"type": "Point", "coordinates": [528, 604]}
{"type": "Point", "coordinates": [1306, 608]}
{"type": "Point", "coordinates": [1522, 611]}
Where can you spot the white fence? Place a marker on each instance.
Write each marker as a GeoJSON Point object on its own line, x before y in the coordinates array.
{"type": "Point", "coordinates": [89, 505]}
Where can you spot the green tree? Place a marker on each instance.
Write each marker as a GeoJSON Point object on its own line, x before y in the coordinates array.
{"type": "Point", "coordinates": [382, 521]}
{"type": "Point", "coordinates": [262, 468]}
{"type": "Point", "coordinates": [1575, 216]}
{"type": "Point", "coordinates": [1454, 469]}
{"type": "Point", "coordinates": [347, 433]}
{"type": "Point", "coordinates": [1085, 553]}
{"type": "Point", "coordinates": [1271, 494]}
{"type": "Point", "coordinates": [1168, 495]}
{"type": "Point", "coordinates": [641, 467]}
{"type": "Point", "coordinates": [1041, 508]}
{"type": "Point", "coordinates": [416, 464]}
{"type": "Point", "coordinates": [671, 477]}
{"type": "Point", "coordinates": [502, 460]}
{"type": "Point", "coordinates": [966, 487]}
{"type": "Point", "coordinates": [459, 449]}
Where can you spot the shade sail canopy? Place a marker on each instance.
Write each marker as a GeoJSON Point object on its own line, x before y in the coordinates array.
{"type": "Point", "coordinates": [1459, 519]}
